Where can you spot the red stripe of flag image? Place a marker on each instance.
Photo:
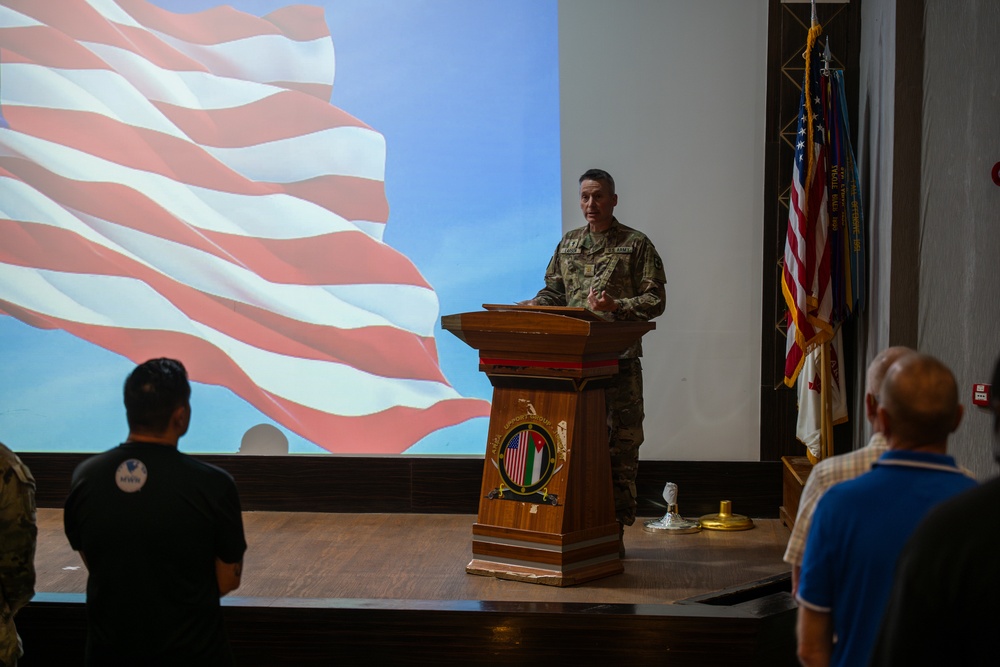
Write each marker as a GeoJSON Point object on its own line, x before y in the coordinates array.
{"type": "Point", "coordinates": [179, 185]}
{"type": "Point", "coordinates": [524, 458]}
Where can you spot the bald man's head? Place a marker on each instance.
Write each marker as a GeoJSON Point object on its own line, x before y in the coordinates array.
{"type": "Point", "coordinates": [876, 373]}
{"type": "Point", "coordinates": [919, 403]}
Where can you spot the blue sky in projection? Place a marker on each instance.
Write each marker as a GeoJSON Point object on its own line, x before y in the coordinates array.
{"type": "Point", "coordinates": [467, 97]}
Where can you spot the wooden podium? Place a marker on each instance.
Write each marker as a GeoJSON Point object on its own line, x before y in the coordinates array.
{"type": "Point", "coordinates": [546, 512]}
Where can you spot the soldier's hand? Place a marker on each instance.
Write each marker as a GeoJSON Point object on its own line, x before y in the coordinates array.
{"type": "Point", "coordinates": [601, 302]}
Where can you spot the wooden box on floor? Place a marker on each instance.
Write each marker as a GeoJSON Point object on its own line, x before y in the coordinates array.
{"type": "Point", "coordinates": [546, 511]}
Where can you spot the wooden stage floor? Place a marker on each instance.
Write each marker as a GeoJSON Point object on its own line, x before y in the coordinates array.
{"type": "Point", "coordinates": [423, 557]}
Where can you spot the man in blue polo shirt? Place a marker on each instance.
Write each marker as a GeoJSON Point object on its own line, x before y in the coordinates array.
{"type": "Point", "coordinates": [947, 572]}
{"type": "Point", "coordinates": [860, 526]}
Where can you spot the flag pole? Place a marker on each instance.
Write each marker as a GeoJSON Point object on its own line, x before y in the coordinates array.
{"type": "Point", "coordinates": [825, 418]}
{"type": "Point", "coordinates": [826, 404]}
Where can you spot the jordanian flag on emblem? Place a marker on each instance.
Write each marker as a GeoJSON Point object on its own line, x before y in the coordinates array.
{"type": "Point", "coordinates": [524, 458]}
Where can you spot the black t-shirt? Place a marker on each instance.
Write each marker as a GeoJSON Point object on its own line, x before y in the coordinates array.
{"type": "Point", "coordinates": [943, 608]}
{"type": "Point", "coordinates": [151, 521]}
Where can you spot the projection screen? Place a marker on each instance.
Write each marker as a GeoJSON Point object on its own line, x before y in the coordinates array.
{"type": "Point", "coordinates": [286, 197]}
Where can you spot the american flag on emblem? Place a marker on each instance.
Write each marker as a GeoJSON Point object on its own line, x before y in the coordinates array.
{"type": "Point", "coordinates": [805, 279]}
{"type": "Point", "coordinates": [179, 185]}
{"type": "Point", "coordinates": [524, 458]}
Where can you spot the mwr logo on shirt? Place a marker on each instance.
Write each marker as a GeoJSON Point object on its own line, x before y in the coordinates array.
{"type": "Point", "coordinates": [131, 475]}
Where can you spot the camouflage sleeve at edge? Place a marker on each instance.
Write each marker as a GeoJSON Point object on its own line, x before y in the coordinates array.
{"type": "Point", "coordinates": [18, 534]}
{"type": "Point", "coordinates": [554, 292]}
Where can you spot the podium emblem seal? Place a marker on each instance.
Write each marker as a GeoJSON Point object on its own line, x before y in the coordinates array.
{"type": "Point", "coordinates": [527, 459]}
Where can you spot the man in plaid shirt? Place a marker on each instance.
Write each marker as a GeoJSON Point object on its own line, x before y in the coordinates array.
{"type": "Point", "coordinates": [841, 468]}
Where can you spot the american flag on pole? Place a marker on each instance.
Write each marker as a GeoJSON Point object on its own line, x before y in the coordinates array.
{"type": "Point", "coordinates": [805, 279]}
{"type": "Point", "coordinates": [179, 185]}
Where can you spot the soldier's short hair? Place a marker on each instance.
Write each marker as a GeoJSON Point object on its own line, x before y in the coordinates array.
{"type": "Point", "coordinates": [599, 175]}
{"type": "Point", "coordinates": [153, 391]}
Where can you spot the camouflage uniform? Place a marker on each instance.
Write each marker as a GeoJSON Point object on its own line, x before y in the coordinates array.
{"type": "Point", "coordinates": [17, 549]}
{"type": "Point", "coordinates": [622, 262]}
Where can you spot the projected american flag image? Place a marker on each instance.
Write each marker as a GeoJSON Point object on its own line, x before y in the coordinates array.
{"type": "Point", "coordinates": [180, 185]}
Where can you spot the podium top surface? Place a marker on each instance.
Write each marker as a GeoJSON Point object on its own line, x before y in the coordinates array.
{"type": "Point", "coordinates": [578, 313]}
{"type": "Point", "coordinates": [550, 331]}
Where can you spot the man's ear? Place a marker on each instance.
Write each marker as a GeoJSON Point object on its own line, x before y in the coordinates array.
{"type": "Point", "coordinates": [180, 419]}
{"type": "Point", "coordinates": [871, 407]}
{"type": "Point", "coordinates": [958, 417]}
{"type": "Point", "coordinates": [884, 421]}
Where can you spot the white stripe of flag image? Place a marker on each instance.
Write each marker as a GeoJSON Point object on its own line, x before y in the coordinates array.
{"type": "Point", "coordinates": [179, 185]}
{"type": "Point", "coordinates": [524, 458]}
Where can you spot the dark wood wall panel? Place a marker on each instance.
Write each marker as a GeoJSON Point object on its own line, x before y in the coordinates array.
{"type": "Point", "coordinates": [754, 487]}
{"type": "Point", "coordinates": [433, 485]}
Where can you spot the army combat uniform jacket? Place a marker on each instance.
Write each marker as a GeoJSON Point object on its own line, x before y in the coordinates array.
{"type": "Point", "coordinates": [620, 261]}
{"type": "Point", "coordinates": [623, 263]}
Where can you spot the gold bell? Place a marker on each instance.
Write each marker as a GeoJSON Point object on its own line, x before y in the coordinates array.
{"type": "Point", "coordinates": [725, 519]}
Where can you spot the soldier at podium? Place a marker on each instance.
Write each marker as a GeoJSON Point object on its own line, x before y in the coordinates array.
{"type": "Point", "coordinates": [616, 272]}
